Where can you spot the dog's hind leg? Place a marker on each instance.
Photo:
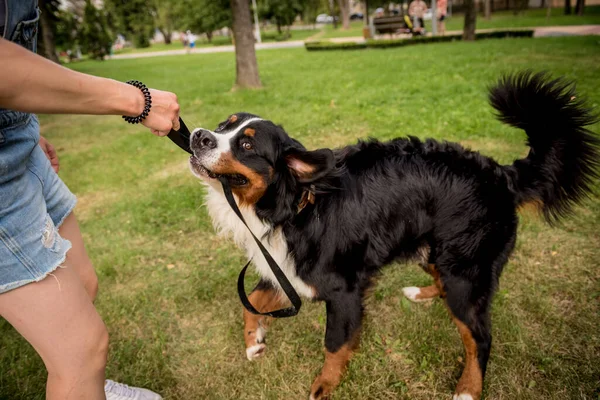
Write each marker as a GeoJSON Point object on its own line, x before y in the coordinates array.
{"type": "Point", "coordinates": [264, 298]}
{"type": "Point", "coordinates": [419, 294]}
{"type": "Point", "coordinates": [470, 313]}
{"type": "Point", "coordinates": [344, 318]}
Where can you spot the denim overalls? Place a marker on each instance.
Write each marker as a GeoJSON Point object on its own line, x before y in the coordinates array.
{"type": "Point", "coordinates": [33, 199]}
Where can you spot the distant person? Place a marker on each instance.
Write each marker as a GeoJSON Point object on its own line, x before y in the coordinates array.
{"type": "Point", "coordinates": [379, 12]}
{"type": "Point", "coordinates": [191, 38]}
{"type": "Point", "coordinates": [417, 9]}
{"type": "Point", "coordinates": [183, 37]}
{"type": "Point", "coordinates": [442, 9]}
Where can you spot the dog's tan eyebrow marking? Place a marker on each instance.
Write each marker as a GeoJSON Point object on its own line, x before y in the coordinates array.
{"type": "Point", "coordinates": [249, 132]}
{"type": "Point", "coordinates": [233, 118]}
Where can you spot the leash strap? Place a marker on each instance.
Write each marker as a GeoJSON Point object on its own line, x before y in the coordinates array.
{"type": "Point", "coordinates": [181, 137]}
{"type": "Point", "coordinates": [279, 275]}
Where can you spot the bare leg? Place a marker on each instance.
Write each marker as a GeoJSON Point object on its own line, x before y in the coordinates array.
{"type": "Point", "coordinates": [58, 318]}
{"type": "Point", "coordinates": [78, 257]}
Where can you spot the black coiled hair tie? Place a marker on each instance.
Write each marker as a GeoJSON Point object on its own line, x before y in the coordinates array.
{"type": "Point", "coordinates": [147, 99]}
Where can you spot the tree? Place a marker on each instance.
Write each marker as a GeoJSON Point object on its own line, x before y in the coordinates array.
{"type": "Point", "coordinates": [66, 30]}
{"type": "Point", "coordinates": [488, 10]}
{"type": "Point", "coordinates": [48, 20]}
{"type": "Point", "coordinates": [567, 7]}
{"type": "Point", "coordinates": [284, 12]}
{"type": "Point", "coordinates": [245, 54]}
{"type": "Point", "coordinates": [332, 12]}
{"type": "Point", "coordinates": [579, 6]}
{"type": "Point", "coordinates": [164, 16]}
{"type": "Point", "coordinates": [205, 16]}
{"type": "Point", "coordinates": [93, 34]}
{"type": "Point", "coordinates": [132, 17]}
{"type": "Point", "coordinates": [470, 19]}
{"type": "Point", "coordinates": [312, 8]}
{"type": "Point", "coordinates": [345, 11]}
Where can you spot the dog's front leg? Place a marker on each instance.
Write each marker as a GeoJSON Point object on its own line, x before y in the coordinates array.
{"type": "Point", "coordinates": [264, 298]}
{"type": "Point", "coordinates": [344, 317]}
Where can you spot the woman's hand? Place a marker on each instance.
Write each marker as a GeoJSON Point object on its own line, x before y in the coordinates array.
{"type": "Point", "coordinates": [50, 153]}
{"type": "Point", "coordinates": [164, 114]}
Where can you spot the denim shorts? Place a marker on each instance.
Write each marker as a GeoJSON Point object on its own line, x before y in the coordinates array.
{"type": "Point", "coordinates": [33, 204]}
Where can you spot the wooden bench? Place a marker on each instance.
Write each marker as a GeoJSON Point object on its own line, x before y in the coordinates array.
{"type": "Point", "coordinates": [392, 25]}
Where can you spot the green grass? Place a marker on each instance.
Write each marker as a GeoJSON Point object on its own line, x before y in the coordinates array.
{"type": "Point", "coordinates": [500, 19]}
{"type": "Point", "coordinates": [528, 18]}
{"type": "Point", "coordinates": [267, 36]}
{"type": "Point", "coordinates": [178, 330]}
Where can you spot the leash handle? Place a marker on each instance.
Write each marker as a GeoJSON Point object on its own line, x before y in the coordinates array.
{"type": "Point", "coordinates": [279, 275]}
{"type": "Point", "coordinates": [181, 137]}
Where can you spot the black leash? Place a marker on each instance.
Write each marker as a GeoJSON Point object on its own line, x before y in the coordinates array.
{"type": "Point", "coordinates": [182, 139]}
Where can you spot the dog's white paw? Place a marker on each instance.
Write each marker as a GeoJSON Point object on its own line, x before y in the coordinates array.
{"type": "Point", "coordinates": [255, 351]}
{"type": "Point", "coordinates": [411, 293]}
{"type": "Point", "coordinates": [462, 396]}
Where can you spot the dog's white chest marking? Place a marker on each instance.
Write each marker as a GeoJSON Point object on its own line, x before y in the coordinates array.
{"type": "Point", "coordinates": [228, 224]}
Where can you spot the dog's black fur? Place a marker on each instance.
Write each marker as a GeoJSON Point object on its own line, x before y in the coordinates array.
{"type": "Point", "coordinates": [378, 202]}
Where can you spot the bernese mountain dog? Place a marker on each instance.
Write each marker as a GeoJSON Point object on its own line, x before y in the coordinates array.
{"type": "Point", "coordinates": [333, 218]}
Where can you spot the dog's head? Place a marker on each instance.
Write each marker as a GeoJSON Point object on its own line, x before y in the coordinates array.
{"type": "Point", "coordinates": [258, 158]}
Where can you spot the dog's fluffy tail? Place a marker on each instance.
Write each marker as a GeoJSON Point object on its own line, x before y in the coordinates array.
{"type": "Point", "coordinates": [563, 159]}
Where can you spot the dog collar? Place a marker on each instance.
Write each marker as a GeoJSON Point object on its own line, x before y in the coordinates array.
{"type": "Point", "coordinates": [308, 196]}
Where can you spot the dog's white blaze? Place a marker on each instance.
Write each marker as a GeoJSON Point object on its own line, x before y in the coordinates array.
{"type": "Point", "coordinates": [211, 158]}
{"type": "Point", "coordinates": [228, 224]}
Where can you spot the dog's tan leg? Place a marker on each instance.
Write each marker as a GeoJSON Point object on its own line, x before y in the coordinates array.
{"type": "Point", "coordinates": [344, 319]}
{"type": "Point", "coordinates": [471, 317]}
{"type": "Point", "coordinates": [331, 373]}
{"type": "Point", "coordinates": [470, 384]}
{"type": "Point", "coordinates": [419, 294]}
{"type": "Point", "coordinates": [263, 298]}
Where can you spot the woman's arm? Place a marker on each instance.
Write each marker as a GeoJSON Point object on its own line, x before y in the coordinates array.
{"type": "Point", "coordinates": [31, 83]}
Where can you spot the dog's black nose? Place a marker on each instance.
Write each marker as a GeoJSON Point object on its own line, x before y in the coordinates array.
{"type": "Point", "coordinates": [204, 139]}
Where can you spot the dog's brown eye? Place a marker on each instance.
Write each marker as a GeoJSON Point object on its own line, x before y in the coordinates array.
{"type": "Point", "coordinates": [247, 146]}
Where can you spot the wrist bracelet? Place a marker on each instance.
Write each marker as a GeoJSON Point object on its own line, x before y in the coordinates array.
{"type": "Point", "coordinates": [148, 103]}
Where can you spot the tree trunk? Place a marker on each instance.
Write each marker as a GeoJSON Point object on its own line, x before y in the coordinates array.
{"type": "Point", "coordinates": [567, 7]}
{"type": "Point", "coordinates": [579, 6]}
{"type": "Point", "coordinates": [166, 34]}
{"type": "Point", "coordinates": [345, 9]}
{"type": "Point", "coordinates": [245, 54]}
{"type": "Point", "coordinates": [470, 17]}
{"type": "Point", "coordinates": [487, 8]}
{"type": "Point", "coordinates": [209, 36]}
{"type": "Point", "coordinates": [332, 12]}
{"type": "Point", "coordinates": [47, 45]}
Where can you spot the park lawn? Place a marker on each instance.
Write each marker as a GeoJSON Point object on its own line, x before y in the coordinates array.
{"type": "Point", "coordinates": [168, 283]}
{"type": "Point", "coordinates": [267, 36]}
{"type": "Point", "coordinates": [499, 20]}
{"type": "Point", "coordinates": [528, 18]}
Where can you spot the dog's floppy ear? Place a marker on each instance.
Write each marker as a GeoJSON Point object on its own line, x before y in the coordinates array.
{"type": "Point", "coordinates": [308, 166]}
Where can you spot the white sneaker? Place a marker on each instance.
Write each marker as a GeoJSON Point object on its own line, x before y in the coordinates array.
{"type": "Point", "coordinates": [120, 391]}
